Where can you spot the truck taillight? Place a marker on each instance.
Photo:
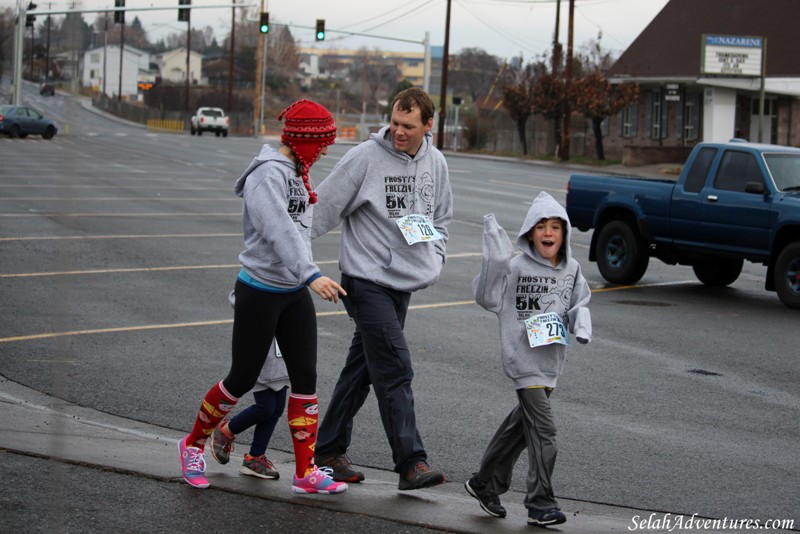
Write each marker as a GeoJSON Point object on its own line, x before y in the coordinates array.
{"type": "Point", "coordinates": [227, 121]}
{"type": "Point", "coordinates": [202, 120]}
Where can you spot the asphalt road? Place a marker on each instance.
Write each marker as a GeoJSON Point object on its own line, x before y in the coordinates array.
{"type": "Point", "coordinates": [118, 248]}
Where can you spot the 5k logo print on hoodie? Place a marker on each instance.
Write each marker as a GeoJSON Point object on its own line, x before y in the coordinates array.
{"type": "Point", "coordinates": [537, 294]}
{"type": "Point", "coordinates": [409, 194]}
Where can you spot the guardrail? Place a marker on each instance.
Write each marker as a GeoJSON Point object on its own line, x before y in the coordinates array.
{"type": "Point", "coordinates": [174, 126]}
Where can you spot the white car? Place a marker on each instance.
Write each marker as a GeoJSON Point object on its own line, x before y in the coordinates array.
{"type": "Point", "coordinates": [210, 120]}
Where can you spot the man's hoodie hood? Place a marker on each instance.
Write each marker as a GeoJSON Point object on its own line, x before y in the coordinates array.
{"type": "Point", "coordinates": [544, 207]}
{"type": "Point", "coordinates": [384, 139]}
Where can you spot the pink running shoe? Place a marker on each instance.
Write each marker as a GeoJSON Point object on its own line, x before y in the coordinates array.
{"type": "Point", "coordinates": [318, 481]}
{"type": "Point", "coordinates": [193, 465]}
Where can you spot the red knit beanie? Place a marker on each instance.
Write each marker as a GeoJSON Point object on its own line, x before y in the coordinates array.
{"type": "Point", "coordinates": [308, 128]}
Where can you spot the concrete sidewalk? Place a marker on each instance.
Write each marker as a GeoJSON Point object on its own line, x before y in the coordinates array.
{"type": "Point", "coordinates": [40, 425]}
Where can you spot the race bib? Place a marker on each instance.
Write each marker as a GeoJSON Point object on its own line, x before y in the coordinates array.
{"type": "Point", "coordinates": [546, 329]}
{"type": "Point", "coordinates": [418, 228]}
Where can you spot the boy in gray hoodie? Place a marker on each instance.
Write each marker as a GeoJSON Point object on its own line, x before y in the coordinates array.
{"type": "Point", "coordinates": [540, 298]}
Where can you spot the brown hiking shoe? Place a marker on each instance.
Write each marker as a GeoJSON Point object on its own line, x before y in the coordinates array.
{"type": "Point", "coordinates": [341, 467]}
{"type": "Point", "coordinates": [420, 476]}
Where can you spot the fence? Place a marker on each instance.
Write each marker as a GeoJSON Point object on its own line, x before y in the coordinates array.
{"type": "Point", "coordinates": [165, 125]}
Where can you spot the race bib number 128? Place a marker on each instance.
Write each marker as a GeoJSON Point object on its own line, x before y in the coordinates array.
{"type": "Point", "coordinates": [418, 228]}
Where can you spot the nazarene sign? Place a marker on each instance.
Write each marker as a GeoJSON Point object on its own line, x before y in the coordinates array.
{"type": "Point", "coordinates": [732, 55]}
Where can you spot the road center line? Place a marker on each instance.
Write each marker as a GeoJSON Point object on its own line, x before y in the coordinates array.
{"type": "Point", "coordinates": [436, 305]}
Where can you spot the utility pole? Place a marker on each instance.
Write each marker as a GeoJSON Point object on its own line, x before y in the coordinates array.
{"type": "Point", "coordinates": [261, 78]}
{"type": "Point", "coordinates": [565, 133]}
{"type": "Point", "coordinates": [443, 92]}
{"type": "Point", "coordinates": [105, 57]}
{"type": "Point", "coordinates": [556, 67]}
{"type": "Point", "coordinates": [47, 53]}
{"type": "Point", "coordinates": [121, 48]}
{"type": "Point", "coordinates": [188, 55]}
{"type": "Point", "coordinates": [231, 60]}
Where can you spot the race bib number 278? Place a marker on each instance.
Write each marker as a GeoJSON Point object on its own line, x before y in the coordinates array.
{"type": "Point", "coordinates": [546, 329]}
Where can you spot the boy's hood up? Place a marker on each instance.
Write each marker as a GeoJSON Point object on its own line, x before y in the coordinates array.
{"type": "Point", "coordinates": [544, 206]}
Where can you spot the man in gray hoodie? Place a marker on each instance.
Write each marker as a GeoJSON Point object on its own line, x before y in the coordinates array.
{"type": "Point", "coordinates": [392, 196]}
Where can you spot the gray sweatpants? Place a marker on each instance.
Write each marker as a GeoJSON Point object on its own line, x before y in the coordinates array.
{"type": "Point", "coordinates": [529, 425]}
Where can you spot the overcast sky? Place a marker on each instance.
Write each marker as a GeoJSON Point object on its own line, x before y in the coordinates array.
{"type": "Point", "coordinates": [504, 28]}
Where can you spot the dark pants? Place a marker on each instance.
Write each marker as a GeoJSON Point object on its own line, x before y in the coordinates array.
{"type": "Point", "coordinates": [529, 425]}
{"type": "Point", "coordinates": [264, 415]}
{"type": "Point", "coordinates": [379, 357]}
{"type": "Point", "coordinates": [259, 316]}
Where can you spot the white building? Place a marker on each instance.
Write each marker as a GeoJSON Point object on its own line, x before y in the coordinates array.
{"type": "Point", "coordinates": [104, 62]}
{"type": "Point", "coordinates": [172, 66]}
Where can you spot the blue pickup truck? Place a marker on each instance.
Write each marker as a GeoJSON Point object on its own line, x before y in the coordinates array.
{"type": "Point", "coordinates": [732, 202]}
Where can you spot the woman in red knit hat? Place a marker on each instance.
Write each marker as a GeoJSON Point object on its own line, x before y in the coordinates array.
{"type": "Point", "coordinates": [272, 299]}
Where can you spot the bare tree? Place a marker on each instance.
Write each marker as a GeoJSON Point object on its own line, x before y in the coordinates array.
{"type": "Point", "coordinates": [519, 98]}
{"type": "Point", "coordinates": [594, 96]}
{"type": "Point", "coordinates": [472, 73]}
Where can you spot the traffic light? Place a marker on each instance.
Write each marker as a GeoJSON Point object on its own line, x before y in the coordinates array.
{"type": "Point", "coordinates": [320, 30]}
{"type": "Point", "coordinates": [263, 26]}
{"type": "Point", "coordinates": [30, 19]}
{"type": "Point", "coordinates": [183, 12]}
{"type": "Point", "coordinates": [119, 16]}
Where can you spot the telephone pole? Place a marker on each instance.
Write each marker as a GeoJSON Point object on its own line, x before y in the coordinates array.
{"type": "Point", "coordinates": [443, 92]}
{"type": "Point", "coordinates": [565, 133]}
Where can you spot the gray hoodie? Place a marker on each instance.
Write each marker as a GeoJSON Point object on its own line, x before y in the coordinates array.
{"type": "Point", "coordinates": [371, 187]}
{"type": "Point", "coordinates": [516, 288]}
{"type": "Point", "coordinates": [276, 219]}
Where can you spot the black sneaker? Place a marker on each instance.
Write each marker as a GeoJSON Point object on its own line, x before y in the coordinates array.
{"type": "Point", "coordinates": [420, 476]}
{"type": "Point", "coordinates": [491, 505]}
{"type": "Point", "coordinates": [341, 467]}
{"type": "Point", "coordinates": [552, 516]}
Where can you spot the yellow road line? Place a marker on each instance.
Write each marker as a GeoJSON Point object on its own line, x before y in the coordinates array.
{"type": "Point", "coordinates": [173, 268]}
{"type": "Point", "coordinates": [54, 214]}
{"type": "Point", "coordinates": [319, 314]}
{"type": "Point", "coordinates": [129, 236]}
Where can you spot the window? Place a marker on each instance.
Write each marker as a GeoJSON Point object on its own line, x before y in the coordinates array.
{"type": "Point", "coordinates": [657, 118]}
{"type": "Point", "coordinates": [735, 170]}
{"type": "Point", "coordinates": [691, 117]}
{"type": "Point", "coordinates": [628, 121]}
{"type": "Point", "coordinates": [785, 170]}
{"type": "Point", "coordinates": [696, 177]}
{"type": "Point", "coordinates": [94, 57]}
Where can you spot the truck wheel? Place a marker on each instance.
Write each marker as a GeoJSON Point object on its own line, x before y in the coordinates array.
{"type": "Point", "coordinates": [199, 131]}
{"type": "Point", "coordinates": [787, 276]}
{"type": "Point", "coordinates": [718, 272]}
{"type": "Point", "coordinates": [224, 133]}
{"type": "Point", "coordinates": [194, 131]}
{"type": "Point", "coordinates": [216, 133]}
{"type": "Point", "coordinates": [621, 255]}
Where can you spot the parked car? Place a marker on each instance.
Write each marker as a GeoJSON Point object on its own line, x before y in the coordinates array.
{"type": "Point", "coordinates": [47, 89]}
{"type": "Point", "coordinates": [210, 120]}
{"type": "Point", "coordinates": [733, 202]}
{"type": "Point", "coordinates": [21, 121]}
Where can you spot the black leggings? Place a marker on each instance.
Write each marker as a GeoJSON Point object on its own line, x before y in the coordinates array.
{"type": "Point", "coordinates": [258, 317]}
